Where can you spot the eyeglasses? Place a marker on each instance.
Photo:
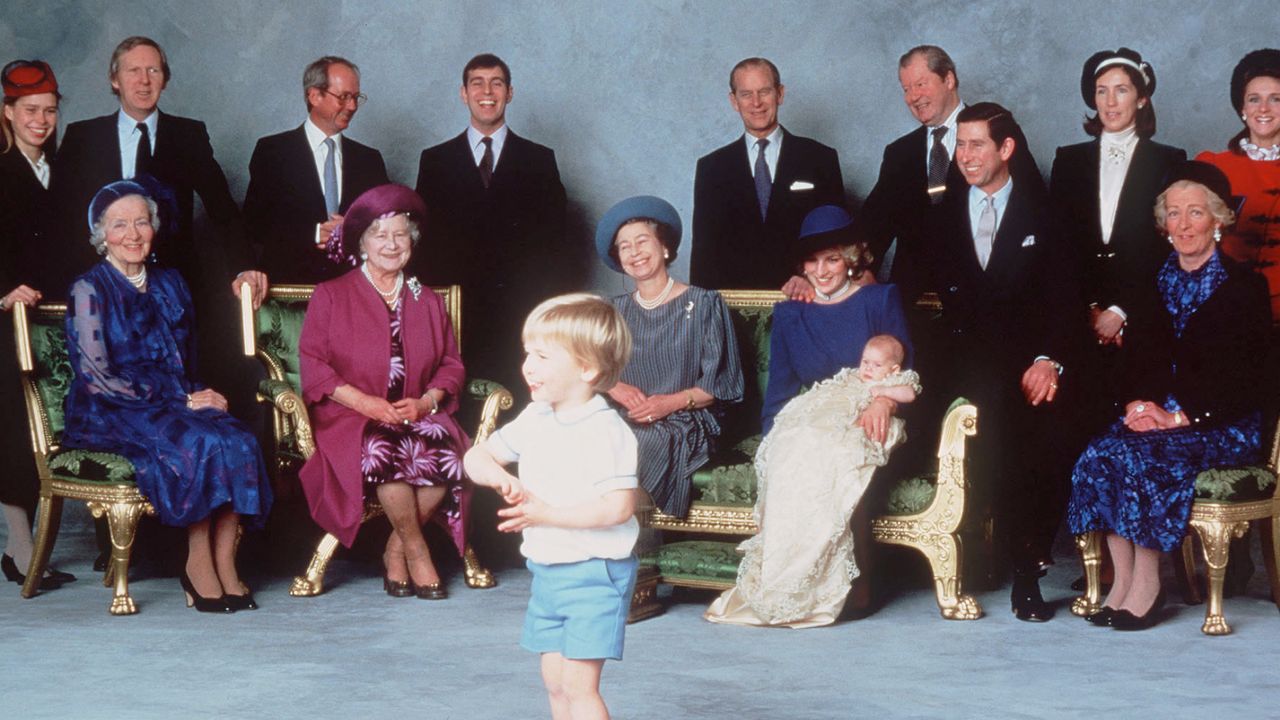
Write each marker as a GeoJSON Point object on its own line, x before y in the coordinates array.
{"type": "Point", "coordinates": [345, 98]}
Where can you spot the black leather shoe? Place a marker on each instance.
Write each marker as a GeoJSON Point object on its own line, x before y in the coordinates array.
{"type": "Point", "coordinates": [395, 588]}
{"type": "Point", "coordinates": [52, 579]}
{"type": "Point", "coordinates": [1103, 617]}
{"type": "Point", "coordinates": [1127, 621]}
{"type": "Point", "coordinates": [1028, 604]}
{"type": "Point", "coordinates": [241, 602]}
{"type": "Point", "coordinates": [430, 591]}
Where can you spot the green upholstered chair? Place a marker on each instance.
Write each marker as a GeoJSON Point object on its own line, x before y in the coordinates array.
{"type": "Point", "coordinates": [924, 512]}
{"type": "Point", "coordinates": [103, 481]}
{"type": "Point", "coordinates": [271, 333]}
{"type": "Point", "coordinates": [1227, 500]}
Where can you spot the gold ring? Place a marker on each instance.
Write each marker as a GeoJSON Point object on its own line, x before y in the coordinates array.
{"type": "Point", "coordinates": [1053, 385]}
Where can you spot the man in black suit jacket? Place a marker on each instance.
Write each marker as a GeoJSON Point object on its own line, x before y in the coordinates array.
{"type": "Point", "coordinates": [750, 196]}
{"type": "Point", "coordinates": [173, 149]}
{"type": "Point", "coordinates": [495, 224]}
{"type": "Point", "coordinates": [286, 206]}
{"type": "Point", "coordinates": [1010, 308]}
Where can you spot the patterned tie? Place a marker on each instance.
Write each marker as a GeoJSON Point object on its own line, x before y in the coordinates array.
{"type": "Point", "coordinates": [938, 163]}
{"type": "Point", "coordinates": [486, 162]}
{"type": "Point", "coordinates": [985, 235]}
{"type": "Point", "coordinates": [142, 161]}
{"type": "Point", "coordinates": [330, 179]}
{"type": "Point", "coordinates": [764, 183]}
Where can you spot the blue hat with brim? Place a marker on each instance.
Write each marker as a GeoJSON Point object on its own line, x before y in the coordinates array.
{"type": "Point", "coordinates": [145, 186]}
{"type": "Point", "coordinates": [640, 206]}
{"type": "Point", "coordinates": [826, 226]}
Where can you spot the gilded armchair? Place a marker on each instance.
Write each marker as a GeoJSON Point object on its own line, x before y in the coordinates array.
{"type": "Point", "coordinates": [104, 481]}
{"type": "Point", "coordinates": [1226, 501]}
{"type": "Point", "coordinates": [271, 334]}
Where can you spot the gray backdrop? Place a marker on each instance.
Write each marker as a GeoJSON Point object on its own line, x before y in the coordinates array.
{"type": "Point", "coordinates": [630, 94]}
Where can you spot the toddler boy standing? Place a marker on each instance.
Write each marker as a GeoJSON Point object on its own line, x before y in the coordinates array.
{"type": "Point", "coordinates": [575, 497]}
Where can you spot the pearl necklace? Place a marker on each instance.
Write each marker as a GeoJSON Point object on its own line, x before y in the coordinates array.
{"type": "Point", "coordinates": [140, 280]}
{"type": "Point", "coordinates": [835, 295]}
{"type": "Point", "coordinates": [661, 298]}
{"type": "Point", "coordinates": [389, 298]}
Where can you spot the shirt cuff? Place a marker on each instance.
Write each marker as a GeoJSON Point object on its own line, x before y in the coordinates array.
{"type": "Point", "coordinates": [1056, 365]}
{"type": "Point", "coordinates": [1116, 309]}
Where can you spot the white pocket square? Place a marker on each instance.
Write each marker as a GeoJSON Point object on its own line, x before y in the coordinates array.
{"type": "Point", "coordinates": [1028, 241]}
{"type": "Point", "coordinates": [801, 185]}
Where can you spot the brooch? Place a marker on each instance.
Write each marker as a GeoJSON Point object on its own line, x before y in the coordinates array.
{"type": "Point", "coordinates": [688, 310]}
{"type": "Point", "coordinates": [415, 287]}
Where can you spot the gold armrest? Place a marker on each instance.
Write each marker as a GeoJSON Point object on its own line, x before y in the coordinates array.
{"type": "Point", "coordinates": [496, 399]}
{"type": "Point", "coordinates": [283, 398]}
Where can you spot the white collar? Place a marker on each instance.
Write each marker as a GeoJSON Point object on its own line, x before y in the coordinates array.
{"type": "Point", "coordinates": [316, 136]}
{"type": "Point", "coordinates": [1126, 138]}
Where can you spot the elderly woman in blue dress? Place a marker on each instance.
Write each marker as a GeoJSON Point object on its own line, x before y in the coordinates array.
{"type": "Point", "coordinates": [131, 342]}
{"type": "Point", "coordinates": [820, 449]}
{"type": "Point", "coordinates": [1194, 355]}
{"type": "Point", "coordinates": [684, 360]}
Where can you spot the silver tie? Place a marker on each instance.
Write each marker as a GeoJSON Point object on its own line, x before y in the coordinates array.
{"type": "Point", "coordinates": [985, 234]}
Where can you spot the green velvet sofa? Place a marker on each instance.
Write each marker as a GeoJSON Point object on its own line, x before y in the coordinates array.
{"type": "Point", "coordinates": [924, 512]}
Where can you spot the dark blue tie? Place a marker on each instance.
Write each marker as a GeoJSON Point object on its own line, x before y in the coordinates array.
{"type": "Point", "coordinates": [142, 161]}
{"type": "Point", "coordinates": [764, 183]}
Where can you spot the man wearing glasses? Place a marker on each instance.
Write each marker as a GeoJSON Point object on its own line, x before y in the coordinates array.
{"type": "Point", "coordinates": [302, 180]}
{"type": "Point", "coordinates": [137, 140]}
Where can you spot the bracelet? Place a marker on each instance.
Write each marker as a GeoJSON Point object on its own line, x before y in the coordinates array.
{"type": "Point", "coordinates": [1177, 418]}
{"type": "Point", "coordinates": [691, 403]}
{"type": "Point", "coordinates": [435, 406]}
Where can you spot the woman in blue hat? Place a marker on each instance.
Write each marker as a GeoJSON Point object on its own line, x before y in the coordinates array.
{"type": "Point", "coordinates": [821, 448]}
{"type": "Point", "coordinates": [131, 345]}
{"type": "Point", "coordinates": [684, 360]}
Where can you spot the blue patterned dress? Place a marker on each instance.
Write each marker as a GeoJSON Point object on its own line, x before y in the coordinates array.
{"type": "Point", "coordinates": [1140, 485]}
{"type": "Point", "coordinates": [133, 354]}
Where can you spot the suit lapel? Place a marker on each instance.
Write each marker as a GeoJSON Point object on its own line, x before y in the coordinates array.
{"type": "Point", "coordinates": [467, 172]}
{"type": "Point", "coordinates": [1128, 204]}
{"type": "Point", "coordinates": [110, 138]}
{"type": "Point", "coordinates": [1010, 234]}
{"type": "Point", "coordinates": [507, 162]}
{"type": "Point", "coordinates": [350, 175]}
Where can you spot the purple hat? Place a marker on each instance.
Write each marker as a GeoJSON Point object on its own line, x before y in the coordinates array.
{"type": "Point", "coordinates": [383, 201]}
{"type": "Point", "coordinates": [144, 185]}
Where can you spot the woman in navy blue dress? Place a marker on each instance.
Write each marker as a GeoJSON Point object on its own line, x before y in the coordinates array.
{"type": "Point", "coordinates": [1193, 366]}
{"type": "Point", "coordinates": [131, 340]}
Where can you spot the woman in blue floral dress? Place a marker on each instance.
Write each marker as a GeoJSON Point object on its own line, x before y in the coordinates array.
{"type": "Point", "coordinates": [131, 342]}
{"type": "Point", "coordinates": [1193, 367]}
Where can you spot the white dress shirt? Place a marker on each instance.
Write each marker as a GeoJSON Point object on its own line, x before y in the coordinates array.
{"type": "Point", "coordinates": [948, 140]}
{"type": "Point", "coordinates": [771, 151]}
{"type": "Point", "coordinates": [40, 167]}
{"type": "Point", "coordinates": [315, 139]}
{"type": "Point", "coordinates": [475, 138]}
{"type": "Point", "coordinates": [1116, 154]}
{"type": "Point", "coordinates": [1000, 202]}
{"type": "Point", "coordinates": [127, 128]}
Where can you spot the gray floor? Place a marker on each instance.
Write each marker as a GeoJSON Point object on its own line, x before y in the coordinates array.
{"type": "Point", "coordinates": [355, 653]}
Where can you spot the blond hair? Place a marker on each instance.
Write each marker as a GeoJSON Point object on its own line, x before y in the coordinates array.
{"type": "Point", "coordinates": [890, 345]}
{"type": "Point", "coordinates": [1217, 206]}
{"type": "Point", "coordinates": [590, 328]}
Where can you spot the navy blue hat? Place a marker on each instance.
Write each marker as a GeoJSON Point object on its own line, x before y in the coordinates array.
{"type": "Point", "coordinates": [144, 185]}
{"type": "Point", "coordinates": [640, 206]}
{"type": "Point", "coordinates": [826, 226]}
{"type": "Point", "coordinates": [1259, 63]}
{"type": "Point", "coordinates": [1212, 178]}
{"type": "Point", "coordinates": [1107, 59]}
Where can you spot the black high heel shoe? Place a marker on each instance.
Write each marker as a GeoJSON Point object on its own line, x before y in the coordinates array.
{"type": "Point", "coordinates": [241, 602]}
{"type": "Point", "coordinates": [202, 603]}
{"type": "Point", "coordinates": [396, 589]}
{"type": "Point", "coordinates": [52, 579]}
{"type": "Point", "coordinates": [1103, 618]}
{"type": "Point", "coordinates": [1127, 621]}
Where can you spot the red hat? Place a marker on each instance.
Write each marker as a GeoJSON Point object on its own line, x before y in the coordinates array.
{"type": "Point", "coordinates": [28, 77]}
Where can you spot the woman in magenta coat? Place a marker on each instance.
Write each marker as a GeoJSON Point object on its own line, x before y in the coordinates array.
{"type": "Point", "coordinates": [381, 376]}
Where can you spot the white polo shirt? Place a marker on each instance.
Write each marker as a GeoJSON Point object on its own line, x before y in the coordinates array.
{"type": "Point", "coordinates": [566, 459]}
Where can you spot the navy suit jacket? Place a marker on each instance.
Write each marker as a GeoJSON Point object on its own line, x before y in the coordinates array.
{"type": "Point", "coordinates": [1115, 273]}
{"type": "Point", "coordinates": [285, 201]}
{"type": "Point", "coordinates": [732, 246]}
{"type": "Point", "coordinates": [89, 158]}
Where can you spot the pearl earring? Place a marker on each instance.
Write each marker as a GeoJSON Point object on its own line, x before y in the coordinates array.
{"type": "Point", "coordinates": [849, 272]}
{"type": "Point", "coordinates": [364, 255]}
{"type": "Point", "coordinates": [1217, 235]}
{"type": "Point", "coordinates": [666, 255]}
{"type": "Point", "coordinates": [1244, 118]}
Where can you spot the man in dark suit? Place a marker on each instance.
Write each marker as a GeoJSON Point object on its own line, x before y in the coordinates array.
{"type": "Point", "coordinates": [301, 181]}
{"type": "Point", "coordinates": [750, 196]}
{"type": "Point", "coordinates": [1014, 324]}
{"type": "Point", "coordinates": [140, 139]}
{"type": "Point", "coordinates": [495, 224]}
{"type": "Point", "coordinates": [917, 168]}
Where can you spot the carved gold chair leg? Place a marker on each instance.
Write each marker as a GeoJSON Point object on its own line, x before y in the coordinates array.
{"type": "Point", "coordinates": [48, 519]}
{"type": "Point", "coordinates": [1090, 546]}
{"type": "Point", "coordinates": [1270, 534]}
{"type": "Point", "coordinates": [1215, 537]}
{"type": "Point", "coordinates": [477, 575]}
{"type": "Point", "coordinates": [122, 520]}
{"type": "Point", "coordinates": [943, 552]}
{"type": "Point", "coordinates": [312, 582]}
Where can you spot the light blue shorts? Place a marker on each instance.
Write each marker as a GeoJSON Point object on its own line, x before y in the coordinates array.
{"type": "Point", "coordinates": [579, 609]}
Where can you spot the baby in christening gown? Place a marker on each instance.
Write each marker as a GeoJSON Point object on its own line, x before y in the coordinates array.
{"type": "Point", "coordinates": [812, 469]}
